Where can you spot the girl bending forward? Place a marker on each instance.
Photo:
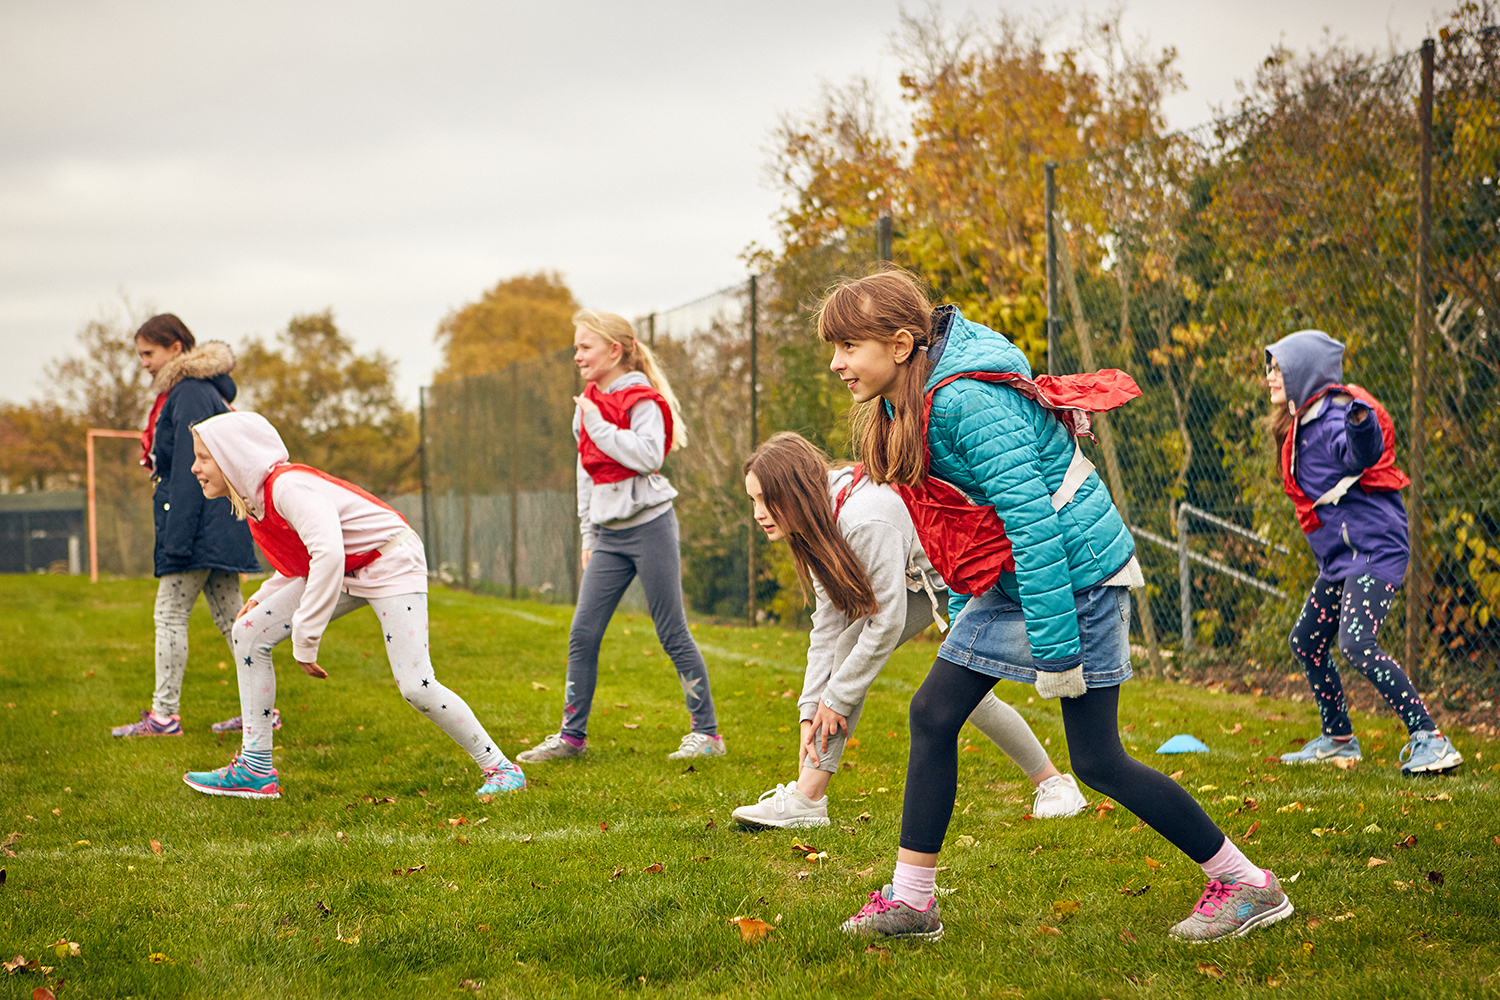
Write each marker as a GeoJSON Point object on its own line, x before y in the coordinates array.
{"type": "Point", "coordinates": [335, 548]}
{"type": "Point", "coordinates": [854, 542]}
{"type": "Point", "coordinates": [1338, 466]}
{"type": "Point", "coordinates": [627, 422]}
{"type": "Point", "coordinates": [1009, 511]}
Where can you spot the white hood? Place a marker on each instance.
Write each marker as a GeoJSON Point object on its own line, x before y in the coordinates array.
{"type": "Point", "coordinates": [246, 448]}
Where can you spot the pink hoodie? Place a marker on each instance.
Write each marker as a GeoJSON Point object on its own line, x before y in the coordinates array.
{"type": "Point", "coordinates": [329, 519]}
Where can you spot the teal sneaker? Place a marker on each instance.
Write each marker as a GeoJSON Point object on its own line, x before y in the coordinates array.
{"type": "Point", "coordinates": [1322, 749]}
{"type": "Point", "coordinates": [1233, 909]}
{"type": "Point", "coordinates": [236, 780]}
{"type": "Point", "coordinates": [506, 777]}
{"type": "Point", "coordinates": [1429, 752]}
{"type": "Point", "coordinates": [886, 917]}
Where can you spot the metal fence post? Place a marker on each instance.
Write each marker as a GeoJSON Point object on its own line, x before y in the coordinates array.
{"type": "Point", "coordinates": [1051, 203]}
{"type": "Point", "coordinates": [510, 455]}
{"type": "Point", "coordinates": [883, 237]}
{"type": "Point", "coordinates": [1416, 592]}
{"type": "Point", "coordinates": [429, 542]}
{"type": "Point", "coordinates": [754, 443]}
{"type": "Point", "coordinates": [1185, 575]}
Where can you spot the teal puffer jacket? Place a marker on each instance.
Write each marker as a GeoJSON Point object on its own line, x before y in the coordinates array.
{"type": "Point", "coordinates": [1004, 450]}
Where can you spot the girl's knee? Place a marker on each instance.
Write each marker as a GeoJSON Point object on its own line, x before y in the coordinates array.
{"type": "Point", "coordinates": [933, 716]}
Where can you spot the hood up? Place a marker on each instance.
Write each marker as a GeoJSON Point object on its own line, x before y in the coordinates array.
{"type": "Point", "coordinates": [209, 360]}
{"type": "Point", "coordinates": [1310, 362]}
{"type": "Point", "coordinates": [971, 347]}
{"type": "Point", "coordinates": [246, 448]}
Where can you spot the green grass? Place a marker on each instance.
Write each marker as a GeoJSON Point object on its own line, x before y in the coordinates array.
{"type": "Point", "coordinates": [521, 897]}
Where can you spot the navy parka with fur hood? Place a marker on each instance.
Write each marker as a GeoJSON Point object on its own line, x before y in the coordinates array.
{"type": "Point", "coordinates": [193, 532]}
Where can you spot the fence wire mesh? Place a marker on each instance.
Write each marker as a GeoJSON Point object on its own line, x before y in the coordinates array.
{"type": "Point", "coordinates": [1179, 259]}
{"type": "Point", "coordinates": [125, 532]}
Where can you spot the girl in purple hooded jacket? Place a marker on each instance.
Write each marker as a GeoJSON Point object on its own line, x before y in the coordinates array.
{"type": "Point", "coordinates": [1336, 443]}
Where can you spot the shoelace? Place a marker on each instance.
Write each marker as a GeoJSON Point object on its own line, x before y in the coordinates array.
{"type": "Point", "coordinates": [778, 796]}
{"type": "Point", "coordinates": [877, 904]}
{"type": "Point", "coordinates": [1215, 895]}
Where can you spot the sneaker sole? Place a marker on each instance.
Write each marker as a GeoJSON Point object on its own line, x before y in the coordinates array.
{"type": "Point", "coordinates": [1323, 760]}
{"type": "Point", "coordinates": [1060, 815]}
{"type": "Point", "coordinates": [1444, 763]}
{"type": "Point", "coordinates": [1281, 912]}
{"type": "Point", "coordinates": [932, 935]}
{"type": "Point", "coordinates": [125, 736]}
{"type": "Point", "coordinates": [522, 758]}
{"type": "Point", "coordinates": [800, 823]}
{"type": "Point", "coordinates": [696, 756]}
{"type": "Point", "coordinates": [234, 793]}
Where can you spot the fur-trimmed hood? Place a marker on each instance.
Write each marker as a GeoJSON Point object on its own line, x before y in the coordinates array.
{"type": "Point", "coordinates": [206, 361]}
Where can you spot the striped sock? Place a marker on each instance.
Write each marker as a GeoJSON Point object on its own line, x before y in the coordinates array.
{"type": "Point", "coordinates": [258, 762]}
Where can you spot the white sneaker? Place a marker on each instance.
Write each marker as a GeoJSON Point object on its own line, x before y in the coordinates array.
{"type": "Point", "coordinates": [698, 745]}
{"type": "Point", "coordinates": [1057, 798]}
{"type": "Point", "coordinates": [785, 808]}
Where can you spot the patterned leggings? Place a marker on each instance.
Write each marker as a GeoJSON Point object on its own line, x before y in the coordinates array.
{"type": "Point", "coordinates": [176, 593]}
{"type": "Point", "coordinates": [403, 623]}
{"type": "Point", "coordinates": [1353, 610]}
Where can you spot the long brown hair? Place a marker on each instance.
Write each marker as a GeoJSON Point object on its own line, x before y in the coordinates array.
{"type": "Point", "coordinates": [164, 330]}
{"type": "Point", "coordinates": [793, 476]}
{"type": "Point", "coordinates": [636, 357]}
{"type": "Point", "coordinates": [878, 307]}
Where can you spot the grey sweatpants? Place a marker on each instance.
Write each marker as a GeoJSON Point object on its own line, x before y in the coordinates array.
{"type": "Point", "coordinates": [176, 593]}
{"type": "Point", "coordinates": [992, 717]}
{"type": "Point", "coordinates": [650, 551]}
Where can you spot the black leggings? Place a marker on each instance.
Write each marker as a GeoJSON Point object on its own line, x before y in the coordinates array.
{"type": "Point", "coordinates": [944, 701]}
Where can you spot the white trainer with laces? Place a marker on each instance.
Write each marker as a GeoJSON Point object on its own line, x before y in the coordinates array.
{"type": "Point", "coordinates": [1057, 798]}
{"type": "Point", "coordinates": [783, 807]}
{"type": "Point", "coordinates": [695, 745]}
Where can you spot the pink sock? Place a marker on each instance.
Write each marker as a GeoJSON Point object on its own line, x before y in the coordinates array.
{"type": "Point", "coordinates": [572, 741]}
{"type": "Point", "coordinates": [1231, 865]}
{"type": "Point", "coordinates": [914, 885]}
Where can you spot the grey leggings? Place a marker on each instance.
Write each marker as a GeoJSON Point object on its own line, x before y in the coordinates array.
{"type": "Point", "coordinates": [651, 552]}
{"type": "Point", "coordinates": [176, 593]}
{"type": "Point", "coordinates": [994, 718]}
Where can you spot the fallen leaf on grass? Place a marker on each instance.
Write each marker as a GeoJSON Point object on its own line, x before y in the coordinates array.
{"type": "Point", "coordinates": [884, 954]}
{"type": "Point", "coordinates": [710, 826]}
{"type": "Point", "coordinates": [63, 948]}
{"type": "Point", "coordinates": [460, 840]}
{"type": "Point", "coordinates": [157, 958]}
{"type": "Point", "coordinates": [341, 837]}
{"type": "Point", "coordinates": [804, 849]}
{"type": "Point", "coordinates": [1375, 862]}
{"type": "Point", "coordinates": [1439, 797]}
{"type": "Point", "coordinates": [1344, 763]}
{"type": "Point", "coordinates": [603, 826]}
{"type": "Point", "coordinates": [631, 725]}
{"type": "Point", "coordinates": [865, 872]}
{"type": "Point", "coordinates": [353, 937]}
{"type": "Point", "coordinates": [1307, 949]}
{"type": "Point", "coordinates": [1062, 908]}
{"type": "Point", "coordinates": [458, 821]}
{"type": "Point", "coordinates": [1208, 788]}
{"type": "Point", "coordinates": [57, 812]}
{"type": "Point", "coordinates": [323, 910]}
{"type": "Point", "coordinates": [1410, 841]}
{"type": "Point", "coordinates": [407, 871]}
{"type": "Point", "coordinates": [654, 869]}
{"type": "Point", "coordinates": [1127, 937]}
{"type": "Point", "coordinates": [539, 686]}
{"type": "Point", "coordinates": [751, 929]}
{"type": "Point", "coordinates": [864, 817]}
{"type": "Point", "coordinates": [1294, 878]}
{"type": "Point", "coordinates": [1052, 931]}
{"type": "Point", "coordinates": [964, 840]}
{"type": "Point", "coordinates": [1209, 969]}
{"type": "Point", "coordinates": [616, 874]}
{"type": "Point", "coordinates": [1152, 863]}
{"type": "Point", "coordinates": [802, 875]}
{"type": "Point", "coordinates": [41, 992]}
{"type": "Point", "coordinates": [1436, 878]}
{"type": "Point", "coordinates": [1313, 922]}
{"type": "Point", "coordinates": [1128, 891]}
{"type": "Point", "coordinates": [155, 847]}
{"type": "Point", "coordinates": [1176, 775]}
{"type": "Point", "coordinates": [472, 985]}
{"type": "Point", "coordinates": [1292, 807]}
{"type": "Point", "coordinates": [1104, 807]}
{"type": "Point", "coordinates": [1252, 830]}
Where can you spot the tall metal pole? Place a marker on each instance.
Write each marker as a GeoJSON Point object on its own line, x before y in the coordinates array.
{"type": "Point", "coordinates": [1185, 578]}
{"type": "Point", "coordinates": [754, 442]}
{"type": "Point", "coordinates": [1416, 593]}
{"type": "Point", "coordinates": [883, 239]}
{"type": "Point", "coordinates": [1051, 207]}
{"type": "Point", "coordinates": [510, 455]}
{"type": "Point", "coordinates": [429, 543]}
{"type": "Point", "coordinates": [93, 521]}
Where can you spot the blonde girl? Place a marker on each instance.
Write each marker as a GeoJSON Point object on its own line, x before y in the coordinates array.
{"type": "Point", "coordinates": [854, 545]}
{"type": "Point", "coordinates": [627, 422]}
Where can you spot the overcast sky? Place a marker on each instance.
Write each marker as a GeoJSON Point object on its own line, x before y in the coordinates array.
{"type": "Point", "coordinates": [241, 163]}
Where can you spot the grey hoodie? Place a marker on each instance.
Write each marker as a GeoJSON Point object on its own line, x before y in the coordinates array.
{"type": "Point", "coordinates": [641, 448]}
{"type": "Point", "coordinates": [1310, 362]}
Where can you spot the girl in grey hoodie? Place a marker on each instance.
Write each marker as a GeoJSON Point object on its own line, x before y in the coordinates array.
{"type": "Point", "coordinates": [854, 543]}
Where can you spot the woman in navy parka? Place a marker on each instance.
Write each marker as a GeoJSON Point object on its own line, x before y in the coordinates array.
{"type": "Point", "coordinates": [200, 547]}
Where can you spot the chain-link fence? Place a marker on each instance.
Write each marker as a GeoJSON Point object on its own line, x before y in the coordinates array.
{"type": "Point", "coordinates": [1179, 260]}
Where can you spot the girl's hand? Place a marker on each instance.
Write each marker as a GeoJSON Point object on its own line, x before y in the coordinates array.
{"type": "Point", "coordinates": [804, 745]}
{"type": "Point", "coordinates": [312, 669]}
{"type": "Point", "coordinates": [249, 606]}
{"type": "Point", "coordinates": [585, 404]}
{"type": "Point", "coordinates": [828, 723]}
{"type": "Point", "coordinates": [586, 554]}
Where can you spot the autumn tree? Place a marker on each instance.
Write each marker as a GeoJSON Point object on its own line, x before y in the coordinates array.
{"type": "Point", "coordinates": [336, 409]}
{"type": "Point", "coordinates": [519, 319]}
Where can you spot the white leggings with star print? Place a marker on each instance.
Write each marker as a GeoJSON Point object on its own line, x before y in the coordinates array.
{"type": "Point", "coordinates": [403, 624]}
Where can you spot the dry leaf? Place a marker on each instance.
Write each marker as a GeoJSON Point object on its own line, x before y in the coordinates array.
{"type": "Point", "coordinates": [865, 872]}
{"type": "Point", "coordinates": [41, 992]}
{"type": "Point", "coordinates": [1209, 969]}
{"type": "Point", "coordinates": [473, 986]}
{"type": "Point", "coordinates": [1436, 878]}
{"type": "Point", "coordinates": [1410, 841]}
{"type": "Point", "coordinates": [1062, 908]}
{"type": "Point", "coordinates": [57, 812]}
{"type": "Point", "coordinates": [1307, 949]}
{"type": "Point", "coordinates": [323, 910]}
{"type": "Point", "coordinates": [751, 929]}
{"type": "Point", "coordinates": [1128, 891]}
{"type": "Point", "coordinates": [864, 817]}
{"type": "Point", "coordinates": [1053, 931]}
{"type": "Point", "coordinates": [802, 875]}
{"type": "Point", "coordinates": [631, 725]}
{"type": "Point", "coordinates": [64, 948]}
{"type": "Point", "coordinates": [1375, 862]}
{"type": "Point", "coordinates": [1344, 763]}
{"type": "Point", "coordinates": [157, 958]}
{"type": "Point", "coordinates": [1127, 937]}
{"type": "Point", "coordinates": [1254, 828]}
{"type": "Point", "coordinates": [654, 869]}
{"type": "Point", "coordinates": [603, 826]}
{"type": "Point", "coordinates": [1313, 922]}
{"type": "Point", "coordinates": [353, 938]}
{"type": "Point", "coordinates": [539, 686]}
{"type": "Point", "coordinates": [155, 847]}
{"type": "Point", "coordinates": [804, 849]}
{"type": "Point", "coordinates": [1176, 775]}
{"type": "Point", "coordinates": [616, 874]}
{"type": "Point", "coordinates": [1152, 863]}
{"type": "Point", "coordinates": [1104, 807]}
{"type": "Point", "coordinates": [710, 826]}
{"type": "Point", "coordinates": [1251, 805]}
{"type": "Point", "coordinates": [1294, 878]}
{"type": "Point", "coordinates": [884, 954]}
{"type": "Point", "coordinates": [341, 837]}
{"type": "Point", "coordinates": [457, 821]}
{"type": "Point", "coordinates": [527, 839]}
{"type": "Point", "coordinates": [460, 840]}
{"type": "Point", "coordinates": [1439, 797]}
{"type": "Point", "coordinates": [1292, 807]}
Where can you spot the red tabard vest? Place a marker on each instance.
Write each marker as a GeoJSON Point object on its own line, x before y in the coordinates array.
{"type": "Point", "coordinates": [966, 541]}
{"type": "Point", "coordinates": [1383, 475]}
{"type": "Point", "coordinates": [615, 407]}
{"type": "Point", "coordinates": [283, 547]}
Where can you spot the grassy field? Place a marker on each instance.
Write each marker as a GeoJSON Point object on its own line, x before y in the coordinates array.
{"type": "Point", "coordinates": [379, 874]}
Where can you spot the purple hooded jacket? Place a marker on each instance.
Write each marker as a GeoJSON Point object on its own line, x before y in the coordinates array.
{"type": "Point", "coordinates": [1362, 532]}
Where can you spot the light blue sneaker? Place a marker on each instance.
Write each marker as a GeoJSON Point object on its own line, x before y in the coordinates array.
{"type": "Point", "coordinates": [1324, 748]}
{"type": "Point", "coordinates": [1429, 752]}
{"type": "Point", "coordinates": [236, 780]}
{"type": "Point", "coordinates": [506, 777]}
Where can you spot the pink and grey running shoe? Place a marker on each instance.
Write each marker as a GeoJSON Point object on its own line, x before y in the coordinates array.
{"type": "Point", "coordinates": [237, 724]}
{"type": "Point", "coordinates": [886, 917]}
{"type": "Point", "coordinates": [1234, 909]}
{"type": "Point", "coordinates": [236, 780]}
{"type": "Point", "coordinates": [150, 725]}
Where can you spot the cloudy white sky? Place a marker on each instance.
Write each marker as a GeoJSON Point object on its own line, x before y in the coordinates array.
{"type": "Point", "coordinates": [241, 163]}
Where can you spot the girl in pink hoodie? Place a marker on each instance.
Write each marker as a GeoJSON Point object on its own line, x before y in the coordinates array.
{"type": "Point", "coordinates": [335, 548]}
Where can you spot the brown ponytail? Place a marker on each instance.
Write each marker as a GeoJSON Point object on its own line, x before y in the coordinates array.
{"type": "Point", "coordinates": [164, 330]}
{"type": "Point", "coordinates": [793, 476]}
{"type": "Point", "coordinates": [878, 307]}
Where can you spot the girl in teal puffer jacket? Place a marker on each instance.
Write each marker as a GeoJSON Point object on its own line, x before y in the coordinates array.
{"type": "Point", "coordinates": [954, 422]}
